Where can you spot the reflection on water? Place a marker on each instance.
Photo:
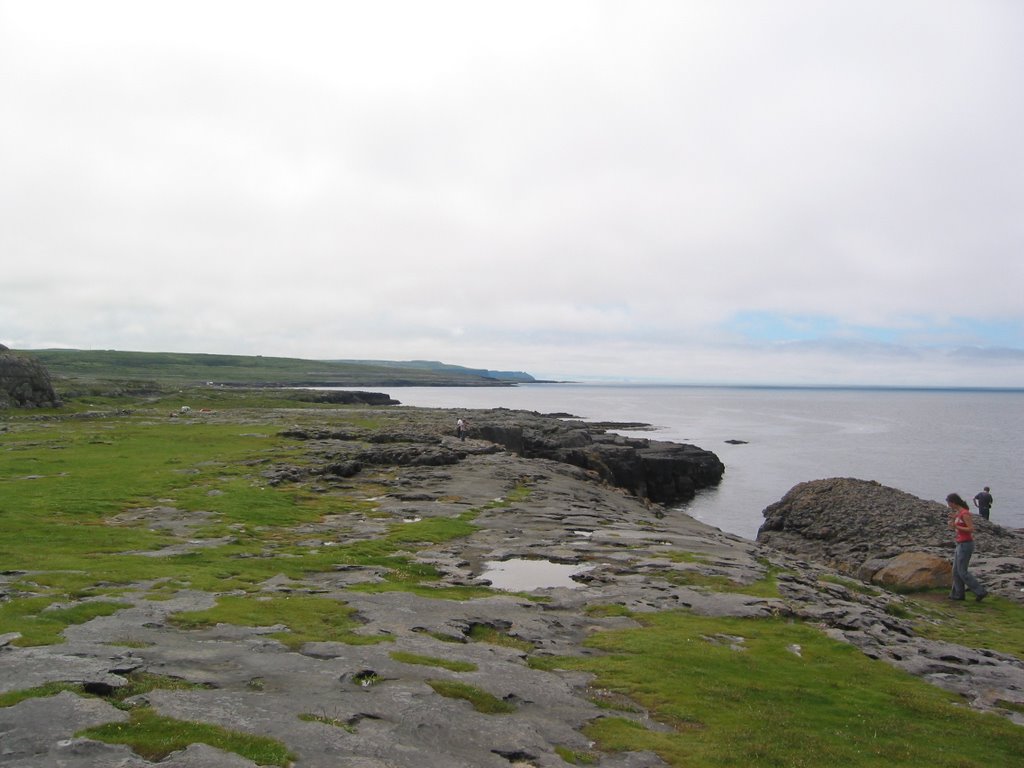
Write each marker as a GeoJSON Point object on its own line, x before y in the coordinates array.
{"type": "Point", "coordinates": [520, 574]}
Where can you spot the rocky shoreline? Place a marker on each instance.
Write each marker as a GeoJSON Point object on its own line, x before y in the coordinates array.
{"type": "Point", "coordinates": [656, 471]}
{"type": "Point", "coordinates": [595, 499]}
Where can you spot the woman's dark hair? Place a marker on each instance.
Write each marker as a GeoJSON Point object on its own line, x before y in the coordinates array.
{"type": "Point", "coordinates": [954, 498]}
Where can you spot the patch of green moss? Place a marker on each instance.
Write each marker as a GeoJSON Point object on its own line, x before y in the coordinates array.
{"type": "Point", "coordinates": [10, 698]}
{"type": "Point", "coordinates": [482, 701]}
{"type": "Point", "coordinates": [483, 633]}
{"type": "Point", "coordinates": [432, 661]}
{"type": "Point", "coordinates": [578, 756]}
{"type": "Point", "coordinates": [681, 556]}
{"type": "Point", "coordinates": [606, 610]}
{"type": "Point", "coordinates": [137, 683]}
{"type": "Point", "coordinates": [154, 737]}
{"type": "Point", "coordinates": [308, 618]}
{"type": "Point", "coordinates": [995, 623]}
{"type": "Point", "coordinates": [39, 623]}
{"type": "Point", "coordinates": [766, 586]}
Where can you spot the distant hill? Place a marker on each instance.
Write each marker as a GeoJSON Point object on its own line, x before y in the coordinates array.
{"type": "Point", "coordinates": [257, 370]}
{"type": "Point", "coordinates": [433, 365]}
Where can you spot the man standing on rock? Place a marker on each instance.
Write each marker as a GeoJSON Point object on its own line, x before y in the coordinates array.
{"type": "Point", "coordinates": [961, 523]}
{"type": "Point", "coordinates": [983, 501]}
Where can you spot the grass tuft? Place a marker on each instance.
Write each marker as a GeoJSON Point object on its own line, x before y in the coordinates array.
{"type": "Point", "coordinates": [485, 633]}
{"type": "Point", "coordinates": [307, 619]}
{"type": "Point", "coordinates": [154, 737]}
{"type": "Point", "coordinates": [41, 624]}
{"type": "Point", "coordinates": [996, 623]}
{"type": "Point", "coordinates": [336, 722]}
{"type": "Point", "coordinates": [432, 661]}
{"type": "Point", "coordinates": [481, 700]}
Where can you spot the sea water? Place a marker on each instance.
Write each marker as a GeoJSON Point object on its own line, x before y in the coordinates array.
{"type": "Point", "coordinates": [925, 442]}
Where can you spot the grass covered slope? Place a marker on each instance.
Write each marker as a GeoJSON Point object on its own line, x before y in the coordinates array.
{"type": "Point", "coordinates": [91, 365]}
{"type": "Point", "coordinates": [771, 692]}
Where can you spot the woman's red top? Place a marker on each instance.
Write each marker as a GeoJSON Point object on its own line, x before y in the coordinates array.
{"type": "Point", "coordinates": [962, 526]}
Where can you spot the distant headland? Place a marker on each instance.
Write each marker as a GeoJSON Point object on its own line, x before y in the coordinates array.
{"type": "Point", "coordinates": [259, 370]}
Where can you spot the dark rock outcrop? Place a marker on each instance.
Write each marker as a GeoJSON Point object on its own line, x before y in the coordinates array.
{"type": "Point", "coordinates": [24, 382]}
{"type": "Point", "coordinates": [347, 397]}
{"type": "Point", "coordinates": [662, 472]}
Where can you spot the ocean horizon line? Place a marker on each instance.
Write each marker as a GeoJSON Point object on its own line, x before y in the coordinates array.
{"type": "Point", "coordinates": [832, 387]}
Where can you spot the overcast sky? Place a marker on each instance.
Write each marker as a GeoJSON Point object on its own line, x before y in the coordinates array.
{"type": "Point", "coordinates": [705, 192]}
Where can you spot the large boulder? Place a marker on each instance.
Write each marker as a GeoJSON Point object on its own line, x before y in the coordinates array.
{"type": "Point", "coordinates": [24, 382]}
{"type": "Point", "coordinates": [860, 526]}
{"type": "Point", "coordinates": [911, 571]}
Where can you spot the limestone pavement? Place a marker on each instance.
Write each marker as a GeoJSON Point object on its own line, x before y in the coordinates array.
{"type": "Point", "coordinates": [376, 712]}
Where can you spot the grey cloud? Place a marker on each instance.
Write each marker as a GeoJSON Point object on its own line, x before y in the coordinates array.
{"type": "Point", "coordinates": [509, 187]}
{"type": "Point", "coordinates": [988, 355]}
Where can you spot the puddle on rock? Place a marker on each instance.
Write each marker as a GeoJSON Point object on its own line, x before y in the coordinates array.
{"type": "Point", "coordinates": [520, 574]}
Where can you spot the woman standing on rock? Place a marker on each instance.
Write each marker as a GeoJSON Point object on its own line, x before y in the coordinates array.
{"type": "Point", "coordinates": [961, 523]}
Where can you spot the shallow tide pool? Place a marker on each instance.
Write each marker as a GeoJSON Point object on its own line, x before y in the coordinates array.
{"type": "Point", "coordinates": [521, 574]}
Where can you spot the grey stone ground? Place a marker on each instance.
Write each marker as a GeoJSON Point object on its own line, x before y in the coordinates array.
{"type": "Point", "coordinates": [257, 685]}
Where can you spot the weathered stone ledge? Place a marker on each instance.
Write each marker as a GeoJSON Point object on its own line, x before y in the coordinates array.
{"type": "Point", "coordinates": [661, 472]}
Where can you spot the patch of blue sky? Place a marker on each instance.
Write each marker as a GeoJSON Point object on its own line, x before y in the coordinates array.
{"type": "Point", "coordinates": [993, 333]}
{"type": "Point", "coordinates": [777, 327]}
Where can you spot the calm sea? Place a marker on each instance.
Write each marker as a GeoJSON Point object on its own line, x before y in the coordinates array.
{"type": "Point", "coordinates": [925, 442]}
